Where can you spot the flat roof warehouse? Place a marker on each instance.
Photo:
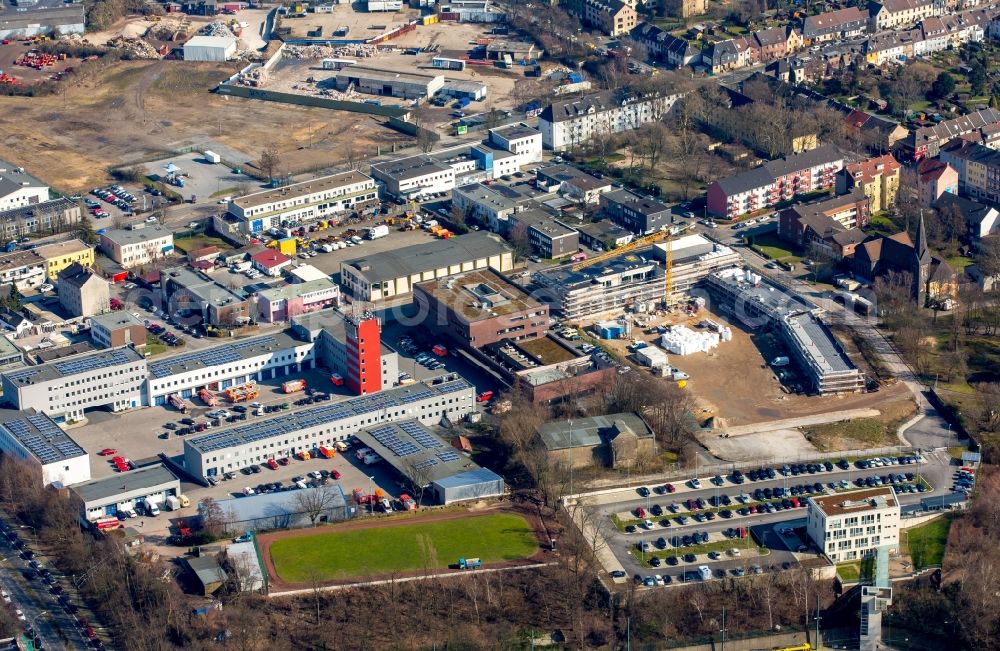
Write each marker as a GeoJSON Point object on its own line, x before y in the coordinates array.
{"type": "Point", "coordinates": [106, 488]}
{"type": "Point", "coordinates": [220, 355]}
{"type": "Point", "coordinates": [300, 420]}
{"type": "Point", "coordinates": [302, 189]}
{"type": "Point", "coordinates": [419, 258]}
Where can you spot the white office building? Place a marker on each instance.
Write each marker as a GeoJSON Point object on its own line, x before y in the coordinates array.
{"type": "Point", "coordinates": [854, 525]}
{"type": "Point", "coordinates": [227, 450]}
{"type": "Point", "coordinates": [138, 244]}
{"type": "Point", "coordinates": [302, 202]}
{"type": "Point", "coordinates": [231, 364]}
{"type": "Point", "coordinates": [572, 122]}
{"type": "Point", "coordinates": [519, 139]}
{"type": "Point", "coordinates": [34, 437]}
{"type": "Point", "coordinates": [64, 389]}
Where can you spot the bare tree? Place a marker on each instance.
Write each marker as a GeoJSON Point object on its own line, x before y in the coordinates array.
{"type": "Point", "coordinates": [269, 161]}
{"type": "Point", "coordinates": [315, 502]}
{"type": "Point", "coordinates": [213, 520]}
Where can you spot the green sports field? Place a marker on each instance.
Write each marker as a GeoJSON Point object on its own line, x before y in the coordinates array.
{"type": "Point", "coordinates": [384, 550]}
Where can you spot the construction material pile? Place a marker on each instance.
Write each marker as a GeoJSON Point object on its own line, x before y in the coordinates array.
{"type": "Point", "coordinates": [254, 77]}
{"type": "Point", "coordinates": [354, 50]}
{"type": "Point", "coordinates": [681, 340]}
{"type": "Point", "coordinates": [137, 47]}
{"type": "Point", "coordinates": [216, 28]}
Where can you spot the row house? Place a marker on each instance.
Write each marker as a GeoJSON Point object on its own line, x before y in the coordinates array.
{"type": "Point", "coordinates": [834, 25]}
{"type": "Point", "coordinates": [664, 46]}
{"type": "Point", "coordinates": [774, 182]}
{"type": "Point", "coordinates": [896, 14]}
{"type": "Point", "coordinates": [892, 46]}
{"type": "Point", "coordinates": [926, 142]}
{"type": "Point", "coordinates": [760, 47]}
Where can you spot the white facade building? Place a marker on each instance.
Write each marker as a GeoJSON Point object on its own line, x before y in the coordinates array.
{"type": "Point", "coordinates": [227, 450]}
{"type": "Point", "coordinates": [64, 389]}
{"type": "Point", "coordinates": [220, 367]}
{"type": "Point", "coordinates": [34, 437]}
{"type": "Point", "coordinates": [303, 201]}
{"type": "Point", "coordinates": [138, 244]}
{"type": "Point", "coordinates": [854, 525]}
{"type": "Point", "coordinates": [415, 176]}
{"type": "Point", "coordinates": [19, 189]}
{"type": "Point", "coordinates": [520, 140]}
{"type": "Point", "coordinates": [572, 122]}
{"type": "Point", "coordinates": [210, 48]}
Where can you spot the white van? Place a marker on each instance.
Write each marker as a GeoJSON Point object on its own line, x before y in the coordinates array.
{"type": "Point", "coordinates": [152, 509]}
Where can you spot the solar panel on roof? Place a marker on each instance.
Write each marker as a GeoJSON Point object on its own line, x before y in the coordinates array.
{"type": "Point", "coordinates": [448, 456]}
{"type": "Point", "coordinates": [87, 364]}
{"type": "Point", "coordinates": [426, 463]}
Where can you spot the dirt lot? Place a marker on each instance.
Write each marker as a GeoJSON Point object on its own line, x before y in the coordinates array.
{"type": "Point", "coordinates": [128, 111]}
{"type": "Point", "coordinates": [733, 383]}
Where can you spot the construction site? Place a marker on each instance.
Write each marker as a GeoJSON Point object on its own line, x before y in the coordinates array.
{"type": "Point", "coordinates": [748, 350]}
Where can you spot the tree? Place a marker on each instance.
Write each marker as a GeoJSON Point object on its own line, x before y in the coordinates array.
{"type": "Point", "coordinates": [943, 86]}
{"type": "Point", "coordinates": [269, 162]}
{"type": "Point", "coordinates": [518, 238]}
{"type": "Point", "coordinates": [213, 520]}
{"type": "Point", "coordinates": [85, 230]}
{"type": "Point", "coordinates": [988, 256]}
{"type": "Point", "coordinates": [315, 502]}
{"type": "Point", "coordinates": [978, 78]}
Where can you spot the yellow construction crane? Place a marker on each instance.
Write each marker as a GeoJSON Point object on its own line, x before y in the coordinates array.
{"type": "Point", "coordinates": [638, 244]}
{"type": "Point", "coordinates": [614, 253]}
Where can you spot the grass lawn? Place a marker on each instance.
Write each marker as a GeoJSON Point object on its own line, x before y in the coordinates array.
{"type": "Point", "coordinates": [848, 572]}
{"type": "Point", "coordinates": [926, 543]}
{"type": "Point", "coordinates": [772, 247]}
{"type": "Point", "coordinates": [435, 545]}
{"type": "Point", "coordinates": [185, 244]}
{"type": "Point", "coordinates": [154, 346]}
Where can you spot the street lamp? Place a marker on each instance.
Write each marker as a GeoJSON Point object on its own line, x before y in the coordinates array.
{"type": "Point", "coordinates": [371, 493]}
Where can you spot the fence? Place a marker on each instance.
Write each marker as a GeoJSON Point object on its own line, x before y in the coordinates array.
{"type": "Point", "coordinates": [227, 88]}
{"type": "Point", "coordinates": [615, 483]}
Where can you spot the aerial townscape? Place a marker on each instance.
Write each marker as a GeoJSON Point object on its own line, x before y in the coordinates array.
{"type": "Point", "coordinates": [499, 324]}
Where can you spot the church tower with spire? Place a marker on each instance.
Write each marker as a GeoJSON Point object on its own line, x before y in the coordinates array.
{"type": "Point", "coordinates": [921, 263]}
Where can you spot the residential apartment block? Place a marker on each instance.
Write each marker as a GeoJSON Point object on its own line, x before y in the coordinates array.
{"type": "Point", "coordinates": [832, 225]}
{"type": "Point", "coordinates": [60, 255]}
{"type": "Point", "coordinates": [775, 181]}
{"type": "Point", "coordinates": [978, 169]}
{"type": "Point", "coordinates": [613, 17]}
{"type": "Point", "coordinates": [853, 526]}
{"type": "Point", "coordinates": [549, 238]}
{"type": "Point", "coordinates": [314, 199]}
{"type": "Point", "coordinates": [639, 214]}
{"type": "Point", "coordinates": [82, 292]}
{"type": "Point", "coordinates": [878, 177]}
{"type": "Point", "coordinates": [568, 123]}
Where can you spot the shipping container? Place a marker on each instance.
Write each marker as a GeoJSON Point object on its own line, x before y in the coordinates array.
{"type": "Point", "coordinates": [446, 63]}
{"type": "Point", "coordinates": [212, 157]}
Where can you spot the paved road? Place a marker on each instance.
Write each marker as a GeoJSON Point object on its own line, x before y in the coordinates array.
{"type": "Point", "coordinates": [50, 621]}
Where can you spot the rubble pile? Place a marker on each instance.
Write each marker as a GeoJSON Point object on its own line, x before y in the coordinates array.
{"type": "Point", "coordinates": [135, 46]}
{"type": "Point", "coordinates": [217, 28]}
{"type": "Point", "coordinates": [254, 77]}
{"type": "Point", "coordinates": [355, 51]}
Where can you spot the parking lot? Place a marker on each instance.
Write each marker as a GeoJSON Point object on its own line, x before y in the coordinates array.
{"type": "Point", "coordinates": [205, 181]}
{"type": "Point", "coordinates": [759, 522]}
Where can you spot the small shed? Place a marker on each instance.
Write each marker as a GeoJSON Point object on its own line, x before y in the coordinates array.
{"type": "Point", "coordinates": [208, 573]}
{"type": "Point", "coordinates": [651, 356]}
{"type": "Point", "coordinates": [610, 329]}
